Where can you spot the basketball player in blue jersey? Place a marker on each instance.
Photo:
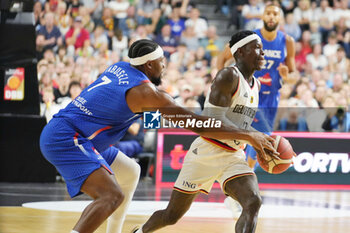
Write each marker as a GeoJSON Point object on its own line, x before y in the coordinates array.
{"type": "Point", "coordinates": [279, 50]}
{"type": "Point", "coordinates": [77, 141]}
{"type": "Point", "coordinates": [233, 99]}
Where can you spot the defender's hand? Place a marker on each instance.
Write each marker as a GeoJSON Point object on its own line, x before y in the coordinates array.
{"type": "Point", "coordinates": [283, 71]}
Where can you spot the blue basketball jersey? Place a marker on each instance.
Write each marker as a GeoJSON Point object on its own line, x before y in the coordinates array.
{"type": "Point", "coordinates": [100, 113]}
{"type": "Point", "coordinates": [271, 81]}
{"type": "Point", "coordinates": [269, 77]}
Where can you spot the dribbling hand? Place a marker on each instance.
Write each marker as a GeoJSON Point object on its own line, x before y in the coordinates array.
{"type": "Point", "coordinates": [264, 145]}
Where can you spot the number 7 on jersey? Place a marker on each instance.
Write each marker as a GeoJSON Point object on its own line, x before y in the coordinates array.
{"type": "Point", "coordinates": [105, 81]}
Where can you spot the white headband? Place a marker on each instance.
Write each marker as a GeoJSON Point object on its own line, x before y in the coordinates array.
{"type": "Point", "coordinates": [243, 42]}
{"type": "Point", "coordinates": [148, 57]}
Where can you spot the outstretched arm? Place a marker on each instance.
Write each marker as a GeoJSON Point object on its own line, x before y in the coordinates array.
{"type": "Point", "coordinates": [223, 57]}
{"type": "Point", "coordinates": [147, 96]}
{"type": "Point", "coordinates": [287, 71]}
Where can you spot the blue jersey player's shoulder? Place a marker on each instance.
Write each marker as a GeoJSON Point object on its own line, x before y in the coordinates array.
{"type": "Point", "coordinates": [125, 74]}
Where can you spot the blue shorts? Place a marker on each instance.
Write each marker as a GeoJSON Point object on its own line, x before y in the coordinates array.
{"type": "Point", "coordinates": [74, 156]}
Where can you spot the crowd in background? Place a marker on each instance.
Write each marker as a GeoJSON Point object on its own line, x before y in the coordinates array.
{"type": "Point", "coordinates": [78, 39]}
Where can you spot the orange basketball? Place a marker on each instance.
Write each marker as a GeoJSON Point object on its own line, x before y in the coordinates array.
{"type": "Point", "coordinates": [13, 82]}
{"type": "Point", "coordinates": [286, 151]}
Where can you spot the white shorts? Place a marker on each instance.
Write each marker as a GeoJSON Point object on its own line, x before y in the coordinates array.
{"type": "Point", "coordinates": [206, 163]}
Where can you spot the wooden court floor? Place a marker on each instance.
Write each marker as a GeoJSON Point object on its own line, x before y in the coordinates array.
{"type": "Point", "coordinates": [17, 219]}
{"type": "Point", "coordinates": [26, 220]}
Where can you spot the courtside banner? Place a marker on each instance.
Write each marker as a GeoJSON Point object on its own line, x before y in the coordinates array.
{"type": "Point", "coordinates": [14, 84]}
{"type": "Point", "coordinates": [322, 162]}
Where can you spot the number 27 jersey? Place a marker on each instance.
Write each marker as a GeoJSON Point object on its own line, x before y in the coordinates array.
{"type": "Point", "coordinates": [275, 53]}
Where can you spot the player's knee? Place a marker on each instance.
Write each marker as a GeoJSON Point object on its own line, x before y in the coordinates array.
{"type": "Point", "coordinates": [254, 202]}
{"type": "Point", "coordinates": [115, 198]}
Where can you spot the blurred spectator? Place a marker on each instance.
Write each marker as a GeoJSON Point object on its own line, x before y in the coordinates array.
{"type": "Point", "coordinates": [49, 56]}
{"type": "Point", "coordinates": [300, 58]}
{"type": "Point", "coordinates": [199, 25]}
{"type": "Point", "coordinates": [293, 120]}
{"type": "Point", "coordinates": [48, 107]}
{"type": "Point", "coordinates": [61, 55]}
{"type": "Point", "coordinates": [77, 37]}
{"type": "Point", "coordinates": [316, 58]}
{"type": "Point", "coordinates": [207, 83]}
{"type": "Point", "coordinates": [192, 104]}
{"type": "Point", "coordinates": [291, 27]}
{"type": "Point", "coordinates": [325, 16]}
{"type": "Point", "coordinates": [85, 79]}
{"type": "Point", "coordinates": [212, 43]}
{"type": "Point", "coordinates": [342, 11]}
{"type": "Point", "coordinates": [132, 142]}
{"type": "Point", "coordinates": [303, 14]}
{"type": "Point", "coordinates": [145, 10]}
{"type": "Point", "coordinates": [74, 7]}
{"type": "Point", "coordinates": [38, 14]}
{"type": "Point", "coordinates": [119, 8]}
{"type": "Point", "coordinates": [307, 99]}
{"type": "Point", "coordinates": [320, 95]}
{"type": "Point", "coordinates": [155, 24]}
{"type": "Point", "coordinates": [180, 57]}
{"type": "Point", "coordinates": [44, 83]}
{"type": "Point", "coordinates": [94, 8]}
{"type": "Point", "coordinates": [99, 38]}
{"type": "Point", "coordinates": [346, 43]}
{"type": "Point", "coordinates": [305, 43]}
{"type": "Point", "coordinates": [287, 6]}
{"type": "Point", "coordinates": [130, 21]}
{"type": "Point", "coordinates": [330, 49]}
{"type": "Point", "coordinates": [338, 122]}
{"type": "Point", "coordinates": [176, 22]}
{"type": "Point", "coordinates": [74, 89]}
{"type": "Point", "coordinates": [222, 4]}
{"type": "Point", "coordinates": [339, 62]}
{"type": "Point", "coordinates": [49, 36]}
{"type": "Point", "coordinates": [140, 33]}
{"type": "Point", "coordinates": [88, 24]}
{"type": "Point", "coordinates": [186, 91]}
{"type": "Point", "coordinates": [119, 42]}
{"type": "Point", "coordinates": [167, 41]}
{"type": "Point", "coordinates": [62, 91]}
{"type": "Point", "coordinates": [252, 14]}
{"type": "Point", "coordinates": [236, 18]}
{"type": "Point", "coordinates": [337, 82]}
{"type": "Point", "coordinates": [108, 22]}
{"type": "Point", "coordinates": [201, 59]}
{"type": "Point", "coordinates": [316, 37]}
{"type": "Point", "coordinates": [189, 38]}
{"type": "Point", "coordinates": [165, 7]}
{"type": "Point", "coordinates": [63, 18]}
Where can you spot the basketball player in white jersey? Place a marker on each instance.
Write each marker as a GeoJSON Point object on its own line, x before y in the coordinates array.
{"type": "Point", "coordinates": [233, 99]}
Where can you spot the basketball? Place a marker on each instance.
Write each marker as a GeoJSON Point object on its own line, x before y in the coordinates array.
{"type": "Point", "coordinates": [273, 165]}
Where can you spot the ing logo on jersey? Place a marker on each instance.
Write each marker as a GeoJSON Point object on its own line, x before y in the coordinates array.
{"type": "Point", "coordinates": [151, 120]}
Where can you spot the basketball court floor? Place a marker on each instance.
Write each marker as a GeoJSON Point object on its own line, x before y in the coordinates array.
{"type": "Point", "coordinates": [34, 208]}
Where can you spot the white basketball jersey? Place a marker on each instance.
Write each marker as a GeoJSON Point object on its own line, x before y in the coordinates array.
{"type": "Point", "coordinates": [244, 104]}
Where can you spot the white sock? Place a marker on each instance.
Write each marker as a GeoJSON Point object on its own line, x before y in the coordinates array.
{"type": "Point", "coordinates": [73, 231]}
{"type": "Point", "coordinates": [127, 173]}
